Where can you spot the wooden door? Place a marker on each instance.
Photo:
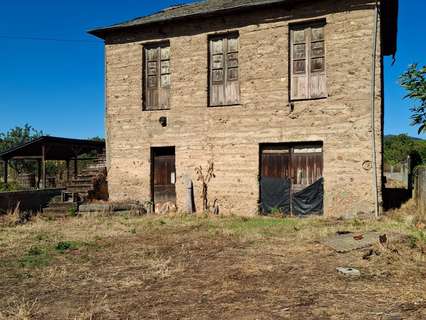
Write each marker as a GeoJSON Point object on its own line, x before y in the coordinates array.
{"type": "Point", "coordinates": [306, 166]}
{"type": "Point", "coordinates": [300, 164]}
{"type": "Point", "coordinates": [164, 175]}
{"type": "Point", "coordinates": [275, 162]}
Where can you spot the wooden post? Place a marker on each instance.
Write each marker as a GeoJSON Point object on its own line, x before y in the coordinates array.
{"type": "Point", "coordinates": [5, 171]}
{"type": "Point", "coordinates": [75, 168]}
{"type": "Point", "coordinates": [68, 170]}
{"type": "Point", "coordinates": [38, 173]}
{"type": "Point", "coordinates": [43, 166]}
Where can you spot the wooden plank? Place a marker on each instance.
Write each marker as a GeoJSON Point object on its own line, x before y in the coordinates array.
{"type": "Point", "coordinates": [275, 165]}
{"type": "Point", "coordinates": [43, 167]}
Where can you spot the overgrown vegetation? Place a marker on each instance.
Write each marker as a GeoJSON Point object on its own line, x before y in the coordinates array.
{"type": "Point", "coordinates": [398, 148]}
{"type": "Point", "coordinates": [414, 81]}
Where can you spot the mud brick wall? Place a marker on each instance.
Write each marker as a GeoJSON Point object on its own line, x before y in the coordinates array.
{"type": "Point", "coordinates": [230, 136]}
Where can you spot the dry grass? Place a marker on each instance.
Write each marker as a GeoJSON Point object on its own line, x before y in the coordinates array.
{"type": "Point", "coordinates": [19, 309]}
{"type": "Point", "coordinates": [206, 267]}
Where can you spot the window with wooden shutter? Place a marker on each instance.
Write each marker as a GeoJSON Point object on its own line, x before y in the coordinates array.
{"type": "Point", "coordinates": [307, 62]}
{"type": "Point", "coordinates": [157, 76]}
{"type": "Point", "coordinates": [224, 70]}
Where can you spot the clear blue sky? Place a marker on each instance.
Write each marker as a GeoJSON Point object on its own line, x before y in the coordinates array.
{"type": "Point", "coordinates": [58, 87]}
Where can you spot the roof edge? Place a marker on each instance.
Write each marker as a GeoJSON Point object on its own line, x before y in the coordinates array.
{"type": "Point", "coordinates": [3, 155]}
{"type": "Point", "coordinates": [104, 31]}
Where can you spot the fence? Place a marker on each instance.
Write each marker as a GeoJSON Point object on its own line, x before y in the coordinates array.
{"type": "Point", "coordinates": [400, 172]}
{"type": "Point", "coordinates": [420, 189]}
{"type": "Point", "coordinates": [27, 200]}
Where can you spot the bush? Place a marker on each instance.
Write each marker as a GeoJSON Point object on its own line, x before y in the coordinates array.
{"type": "Point", "coordinates": [13, 186]}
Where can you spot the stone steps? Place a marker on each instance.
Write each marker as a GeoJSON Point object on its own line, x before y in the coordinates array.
{"type": "Point", "coordinates": [60, 209]}
{"type": "Point", "coordinates": [81, 180]}
{"type": "Point", "coordinates": [77, 190]}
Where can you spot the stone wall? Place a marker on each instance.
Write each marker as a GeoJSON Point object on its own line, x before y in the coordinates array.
{"type": "Point", "coordinates": [230, 136]}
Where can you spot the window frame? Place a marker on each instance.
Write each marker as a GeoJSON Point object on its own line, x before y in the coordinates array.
{"type": "Point", "coordinates": [145, 76]}
{"type": "Point", "coordinates": [307, 26]}
{"type": "Point", "coordinates": [223, 35]}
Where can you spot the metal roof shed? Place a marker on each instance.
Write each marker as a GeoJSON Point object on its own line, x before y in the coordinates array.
{"type": "Point", "coordinates": [50, 148]}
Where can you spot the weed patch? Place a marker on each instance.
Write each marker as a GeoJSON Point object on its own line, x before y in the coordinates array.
{"type": "Point", "coordinates": [36, 257]}
{"type": "Point", "coordinates": [72, 212]}
{"type": "Point", "coordinates": [64, 246]}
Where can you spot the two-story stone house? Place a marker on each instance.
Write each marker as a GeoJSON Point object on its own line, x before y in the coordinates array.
{"type": "Point", "coordinates": [279, 95]}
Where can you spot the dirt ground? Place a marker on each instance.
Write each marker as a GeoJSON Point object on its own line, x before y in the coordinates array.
{"type": "Point", "coordinates": [183, 267]}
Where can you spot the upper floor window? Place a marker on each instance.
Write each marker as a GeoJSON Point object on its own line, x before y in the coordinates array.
{"type": "Point", "coordinates": [223, 67]}
{"type": "Point", "coordinates": [157, 76]}
{"type": "Point", "coordinates": [307, 61]}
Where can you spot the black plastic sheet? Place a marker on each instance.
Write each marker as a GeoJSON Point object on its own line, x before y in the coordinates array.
{"type": "Point", "coordinates": [275, 194]}
{"type": "Point", "coordinates": [309, 200]}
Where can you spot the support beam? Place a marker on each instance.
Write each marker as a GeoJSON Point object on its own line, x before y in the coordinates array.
{"type": "Point", "coordinates": [75, 168]}
{"type": "Point", "coordinates": [43, 166]}
{"type": "Point", "coordinates": [38, 173]}
{"type": "Point", "coordinates": [68, 170]}
{"type": "Point", "coordinates": [5, 171]}
{"type": "Point", "coordinates": [26, 158]}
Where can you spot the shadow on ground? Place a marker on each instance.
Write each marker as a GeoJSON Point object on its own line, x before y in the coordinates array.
{"type": "Point", "coordinates": [394, 198]}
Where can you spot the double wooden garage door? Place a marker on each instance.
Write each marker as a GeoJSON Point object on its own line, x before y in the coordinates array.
{"type": "Point", "coordinates": [291, 176]}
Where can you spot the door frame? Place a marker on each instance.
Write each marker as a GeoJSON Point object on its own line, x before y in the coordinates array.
{"type": "Point", "coordinates": [289, 145]}
{"type": "Point", "coordinates": [153, 150]}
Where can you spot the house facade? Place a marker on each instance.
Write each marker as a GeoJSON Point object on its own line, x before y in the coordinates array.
{"type": "Point", "coordinates": [252, 90]}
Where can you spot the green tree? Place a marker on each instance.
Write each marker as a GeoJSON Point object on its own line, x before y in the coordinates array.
{"type": "Point", "coordinates": [398, 148]}
{"type": "Point", "coordinates": [15, 137]}
{"type": "Point", "coordinates": [97, 138]}
{"type": "Point", "coordinates": [414, 81]}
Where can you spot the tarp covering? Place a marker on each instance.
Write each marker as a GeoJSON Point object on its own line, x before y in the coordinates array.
{"type": "Point", "coordinates": [309, 200]}
{"type": "Point", "coordinates": [275, 194]}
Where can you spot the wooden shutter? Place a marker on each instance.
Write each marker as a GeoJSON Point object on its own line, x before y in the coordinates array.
{"type": "Point", "coordinates": [232, 82]}
{"type": "Point", "coordinates": [307, 67]}
{"type": "Point", "coordinates": [157, 77]}
{"type": "Point", "coordinates": [224, 70]}
{"type": "Point", "coordinates": [317, 77]}
{"type": "Point", "coordinates": [299, 65]}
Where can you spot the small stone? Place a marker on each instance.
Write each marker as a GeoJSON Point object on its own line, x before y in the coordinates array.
{"type": "Point", "coordinates": [393, 316]}
{"type": "Point", "coordinates": [351, 272]}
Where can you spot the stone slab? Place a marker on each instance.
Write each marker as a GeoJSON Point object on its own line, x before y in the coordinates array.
{"type": "Point", "coordinates": [351, 241]}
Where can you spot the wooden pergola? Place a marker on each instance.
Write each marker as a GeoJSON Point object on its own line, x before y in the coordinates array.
{"type": "Point", "coordinates": [50, 148]}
